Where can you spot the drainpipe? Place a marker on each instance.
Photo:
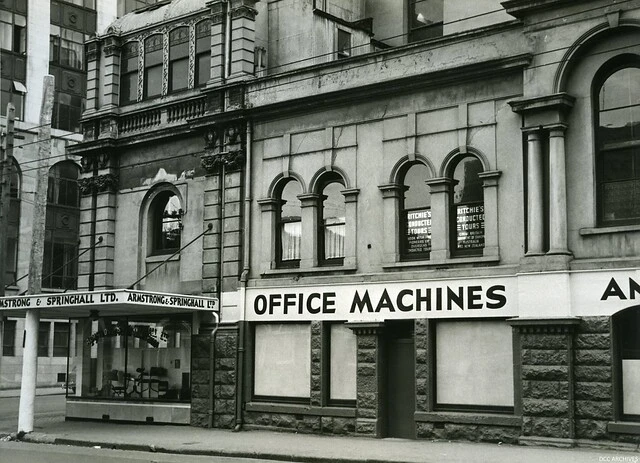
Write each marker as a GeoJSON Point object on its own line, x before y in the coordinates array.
{"type": "Point", "coordinates": [92, 232]}
{"type": "Point", "coordinates": [227, 42]}
{"type": "Point", "coordinates": [243, 279]}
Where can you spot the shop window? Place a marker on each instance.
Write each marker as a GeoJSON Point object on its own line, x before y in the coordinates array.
{"type": "Point", "coordinates": [129, 73]}
{"type": "Point", "coordinates": [166, 219]}
{"type": "Point", "coordinates": [415, 216]}
{"type": "Point", "coordinates": [43, 339]}
{"type": "Point", "coordinates": [60, 267]}
{"type": "Point", "coordinates": [425, 19]}
{"type": "Point", "coordinates": [9, 338]}
{"type": "Point", "coordinates": [138, 358]}
{"type": "Point", "coordinates": [342, 364]}
{"type": "Point", "coordinates": [617, 103]}
{"type": "Point", "coordinates": [474, 366]}
{"type": "Point", "coordinates": [153, 66]}
{"type": "Point", "coordinates": [332, 221]}
{"type": "Point", "coordinates": [61, 333]}
{"type": "Point", "coordinates": [289, 225]}
{"type": "Point", "coordinates": [203, 53]}
{"type": "Point", "coordinates": [626, 325]}
{"type": "Point", "coordinates": [178, 59]}
{"type": "Point", "coordinates": [282, 361]}
{"type": "Point", "coordinates": [467, 210]}
{"type": "Point", "coordinates": [343, 44]}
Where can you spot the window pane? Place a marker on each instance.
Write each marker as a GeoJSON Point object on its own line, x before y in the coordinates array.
{"type": "Point", "coordinates": [291, 237]}
{"type": "Point", "coordinates": [342, 376]}
{"type": "Point", "coordinates": [468, 185]}
{"type": "Point", "coordinates": [179, 74]}
{"type": "Point", "coordinates": [282, 360]}
{"type": "Point", "coordinates": [129, 88]}
{"type": "Point", "coordinates": [9, 338]}
{"type": "Point", "coordinates": [43, 339]}
{"type": "Point", "coordinates": [153, 81]}
{"type": "Point", "coordinates": [171, 223]}
{"type": "Point", "coordinates": [203, 68]}
{"type": "Point", "coordinates": [474, 363]}
{"type": "Point", "coordinates": [333, 216]}
{"type": "Point", "coordinates": [426, 18]}
{"type": "Point", "coordinates": [60, 339]}
{"type": "Point", "coordinates": [416, 191]}
{"type": "Point", "coordinates": [619, 104]}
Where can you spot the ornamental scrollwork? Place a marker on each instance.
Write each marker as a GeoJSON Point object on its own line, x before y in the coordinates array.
{"type": "Point", "coordinates": [107, 183]}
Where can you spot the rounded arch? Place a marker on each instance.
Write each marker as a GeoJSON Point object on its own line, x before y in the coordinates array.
{"type": "Point", "coordinates": [404, 163]}
{"type": "Point", "coordinates": [319, 176]}
{"type": "Point", "coordinates": [452, 158]}
{"type": "Point", "coordinates": [280, 180]}
{"type": "Point", "coordinates": [153, 192]}
{"type": "Point", "coordinates": [580, 47]}
{"type": "Point", "coordinates": [148, 210]}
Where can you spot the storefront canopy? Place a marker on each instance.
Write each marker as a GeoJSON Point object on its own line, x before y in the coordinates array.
{"type": "Point", "coordinates": [110, 303]}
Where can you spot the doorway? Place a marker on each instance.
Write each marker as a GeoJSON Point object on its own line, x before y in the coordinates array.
{"type": "Point", "coordinates": [400, 379]}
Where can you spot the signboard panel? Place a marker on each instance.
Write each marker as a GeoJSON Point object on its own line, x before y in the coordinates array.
{"type": "Point", "coordinates": [418, 231]}
{"type": "Point", "coordinates": [471, 298]}
{"type": "Point", "coordinates": [118, 298]}
{"type": "Point", "coordinates": [470, 226]}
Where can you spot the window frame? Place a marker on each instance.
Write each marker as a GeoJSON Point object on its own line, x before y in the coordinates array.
{"type": "Point", "coordinates": [327, 367]}
{"type": "Point", "coordinates": [453, 210]}
{"type": "Point", "coordinates": [43, 341]}
{"type": "Point", "coordinates": [129, 71]}
{"type": "Point", "coordinates": [404, 221]}
{"type": "Point", "coordinates": [202, 51]}
{"type": "Point", "coordinates": [156, 220]}
{"type": "Point", "coordinates": [610, 68]}
{"type": "Point", "coordinates": [326, 181]}
{"type": "Point", "coordinates": [181, 61]}
{"type": "Point", "coordinates": [423, 32]}
{"type": "Point", "coordinates": [150, 49]}
{"type": "Point", "coordinates": [280, 222]}
{"type": "Point", "coordinates": [9, 336]}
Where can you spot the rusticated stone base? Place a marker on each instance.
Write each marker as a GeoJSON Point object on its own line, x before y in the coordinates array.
{"type": "Point", "coordinates": [300, 423]}
{"type": "Point", "coordinates": [468, 432]}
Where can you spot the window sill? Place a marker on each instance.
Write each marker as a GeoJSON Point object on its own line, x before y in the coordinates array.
{"type": "Point", "coordinates": [623, 427]}
{"type": "Point", "coordinates": [442, 263]}
{"type": "Point", "coordinates": [610, 229]}
{"type": "Point", "coordinates": [469, 418]}
{"type": "Point", "coordinates": [328, 270]}
{"type": "Point", "coordinates": [344, 412]}
{"type": "Point", "coordinates": [161, 258]}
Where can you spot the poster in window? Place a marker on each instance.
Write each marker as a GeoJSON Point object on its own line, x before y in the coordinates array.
{"type": "Point", "coordinates": [470, 226]}
{"type": "Point", "coordinates": [418, 226]}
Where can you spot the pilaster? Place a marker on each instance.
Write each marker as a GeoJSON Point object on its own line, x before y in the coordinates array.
{"type": "Point", "coordinates": [111, 87]}
{"type": "Point", "coordinates": [309, 217]}
{"type": "Point", "coordinates": [243, 14]}
{"type": "Point", "coordinates": [440, 209]}
{"type": "Point", "coordinates": [491, 238]}
{"type": "Point", "coordinates": [218, 38]}
{"type": "Point", "coordinates": [351, 230]}
{"type": "Point", "coordinates": [391, 194]}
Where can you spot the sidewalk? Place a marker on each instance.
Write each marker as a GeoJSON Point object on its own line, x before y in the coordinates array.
{"type": "Point", "coordinates": [306, 447]}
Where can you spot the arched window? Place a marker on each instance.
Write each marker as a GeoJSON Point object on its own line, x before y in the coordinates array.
{"type": "Point", "coordinates": [178, 59]}
{"type": "Point", "coordinates": [129, 73]}
{"type": "Point", "coordinates": [625, 327]}
{"type": "Point", "coordinates": [332, 221]}
{"type": "Point", "coordinates": [153, 66]}
{"type": "Point", "coordinates": [60, 266]}
{"type": "Point", "coordinates": [11, 267]}
{"type": "Point", "coordinates": [289, 225]}
{"type": "Point", "coordinates": [415, 218]}
{"type": "Point", "coordinates": [203, 53]}
{"type": "Point", "coordinates": [166, 222]}
{"type": "Point", "coordinates": [617, 109]}
{"type": "Point", "coordinates": [467, 208]}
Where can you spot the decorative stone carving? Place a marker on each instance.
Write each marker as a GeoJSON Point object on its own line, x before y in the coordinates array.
{"type": "Point", "coordinates": [224, 145]}
{"type": "Point", "coordinates": [232, 160]}
{"type": "Point", "coordinates": [111, 46]}
{"type": "Point", "coordinates": [108, 128]}
{"type": "Point", "coordinates": [106, 183]}
{"type": "Point", "coordinates": [92, 51]}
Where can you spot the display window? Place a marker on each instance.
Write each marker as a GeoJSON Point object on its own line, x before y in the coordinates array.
{"type": "Point", "coordinates": [135, 358]}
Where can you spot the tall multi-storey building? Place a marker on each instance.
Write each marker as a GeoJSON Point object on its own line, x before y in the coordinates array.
{"type": "Point", "coordinates": [418, 217]}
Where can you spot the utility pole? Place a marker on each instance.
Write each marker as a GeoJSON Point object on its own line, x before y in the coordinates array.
{"type": "Point", "coordinates": [6, 163]}
{"type": "Point", "coordinates": [32, 318]}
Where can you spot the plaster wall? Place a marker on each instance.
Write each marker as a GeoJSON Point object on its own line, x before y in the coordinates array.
{"type": "Point", "coordinates": [38, 21]}
{"type": "Point", "coordinates": [464, 16]}
{"type": "Point", "coordinates": [371, 138]}
{"type": "Point", "coordinates": [140, 170]}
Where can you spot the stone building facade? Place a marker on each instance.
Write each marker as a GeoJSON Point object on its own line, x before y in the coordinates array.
{"type": "Point", "coordinates": [428, 232]}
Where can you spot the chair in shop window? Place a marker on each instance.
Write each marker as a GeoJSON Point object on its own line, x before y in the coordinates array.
{"type": "Point", "coordinates": [116, 379]}
{"type": "Point", "coordinates": [156, 383]}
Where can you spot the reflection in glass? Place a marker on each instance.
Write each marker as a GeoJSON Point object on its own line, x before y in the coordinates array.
{"type": "Point", "coordinates": [290, 224]}
{"type": "Point", "coordinates": [333, 221]}
{"type": "Point", "coordinates": [468, 206]}
{"type": "Point", "coordinates": [416, 215]}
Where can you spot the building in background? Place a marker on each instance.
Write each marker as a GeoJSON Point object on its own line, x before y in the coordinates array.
{"type": "Point", "coordinates": [419, 219]}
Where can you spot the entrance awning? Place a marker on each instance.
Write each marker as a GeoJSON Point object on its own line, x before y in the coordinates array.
{"type": "Point", "coordinates": [110, 303]}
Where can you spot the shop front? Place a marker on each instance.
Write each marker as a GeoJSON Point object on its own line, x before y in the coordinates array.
{"type": "Point", "coordinates": [129, 356]}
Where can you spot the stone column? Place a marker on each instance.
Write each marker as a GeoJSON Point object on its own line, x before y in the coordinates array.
{"type": "Point", "coordinates": [391, 194]}
{"type": "Point", "coordinates": [269, 212]}
{"type": "Point", "coordinates": [535, 194]}
{"type": "Point", "coordinates": [243, 37]}
{"type": "Point", "coordinates": [309, 252]}
{"type": "Point", "coordinates": [317, 395]}
{"type": "Point", "coordinates": [557, 191]}
{"type": "Point", "coordinates": [547, 379]}
{"type": "Point", "coordinates": [111, 85]}
{"type": "Point", "coordinates": [218, 24]}
{"type": "Point", "coordinates": [490, 185]}
{"type": "Point", "coordinates": [440, 217]}
{"type": "Point", "coordinates": [351, 218]}
{"type": "Point", "coordinates": [370, 394]}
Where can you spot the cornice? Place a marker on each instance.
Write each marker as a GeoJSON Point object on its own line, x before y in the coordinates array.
{"type": "Point", "coordinates": [557, 101]}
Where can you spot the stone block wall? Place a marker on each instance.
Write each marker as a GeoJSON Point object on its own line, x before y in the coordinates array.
{"type": "Point", "coordinates": [302, 423]}
{"type": "Point", "coordinates": [225, 378]}
{"type": "Point", "coordinates": [200, 380]}
{"type": "Point", "coordinates": [593, 378]}
{"type": "Point", "coordinates": [369, 393]}
{"type": "Point", "coordinates": [316, 364]}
